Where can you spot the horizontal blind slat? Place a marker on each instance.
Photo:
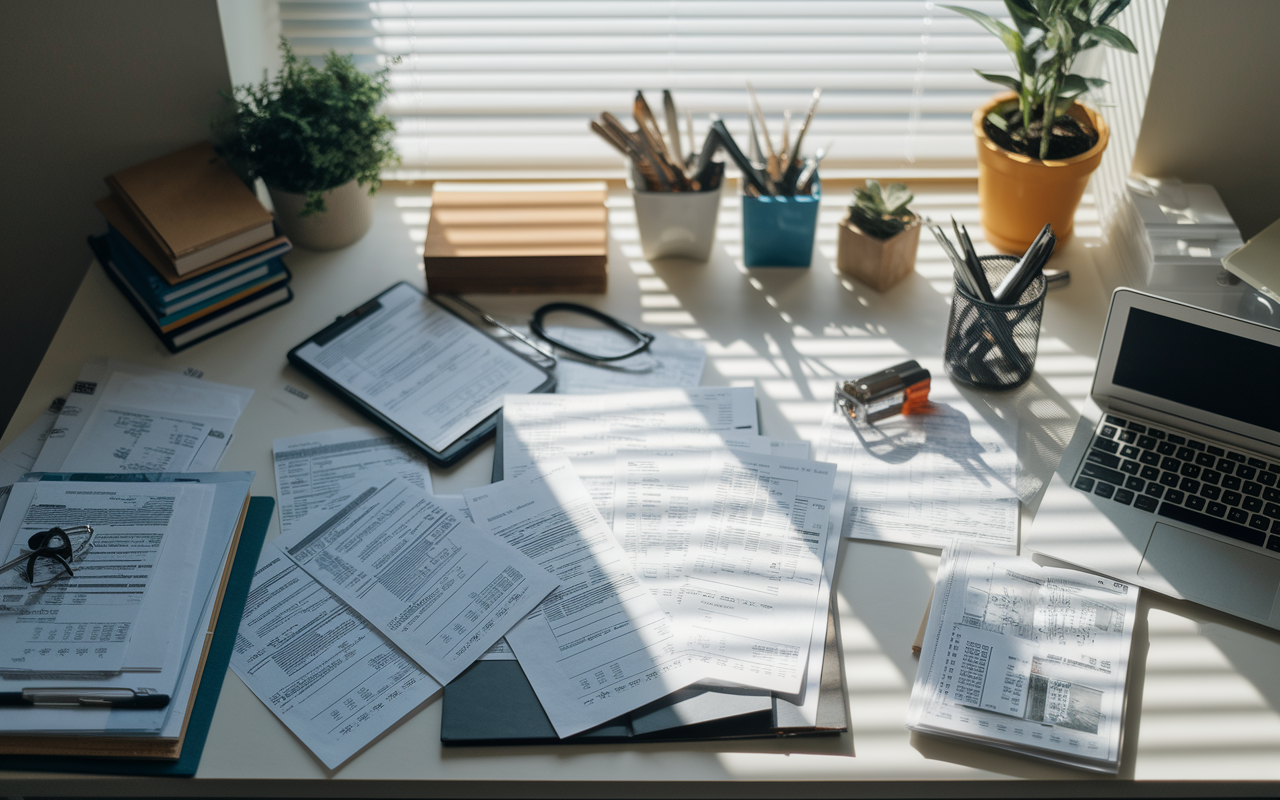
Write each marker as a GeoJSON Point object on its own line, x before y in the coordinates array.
{"type": "Point", "coordinates": [480, 84]}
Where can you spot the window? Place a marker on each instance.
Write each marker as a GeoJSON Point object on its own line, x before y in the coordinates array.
{"type": "Point", "coordinates": [506, 87]}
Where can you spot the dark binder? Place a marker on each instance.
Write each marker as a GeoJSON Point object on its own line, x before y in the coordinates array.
{"type": "Point", "coordinates": [351, 321]}
{"type": "Point", "coordinates": [215, 670]}
{"type": "Point", "coordinates": [492, 703]}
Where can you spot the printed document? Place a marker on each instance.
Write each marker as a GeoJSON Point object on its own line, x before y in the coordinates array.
{"type": "Point", "coordinates": [835, 446]}
{"type": "Point", "coordinates": [423, 367]}
{"type": "Point", "coordinates": [123, 417]}
{"type": "Point", "coordinates": [590, 429]}
{"type": "Point", "coordinates": [1025, 657]}
{"type": "Point", "coordinates": [430, 581]}
{"type": "Point", "coordinates": [927, 479]}
{"type": "Point", "coordinates": [335, 682]}
{"type": "Point", "coordinates": [20, 455]}
{"type": "Point", "coordinates": [752, 570]}
{"type": "Point", "coordinates": [312, 469]}
{"type": "Point", "coordinates": [84, 622]}
{"type": "Point", "coordinates": [600, 646]}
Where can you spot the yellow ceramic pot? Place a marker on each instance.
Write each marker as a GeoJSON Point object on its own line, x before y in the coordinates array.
{"type": "Point", "coordinates": [1019, 194]}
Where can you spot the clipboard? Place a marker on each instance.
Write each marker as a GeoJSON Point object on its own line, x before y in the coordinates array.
{"type": "Point", "coordinates": [383, 324]}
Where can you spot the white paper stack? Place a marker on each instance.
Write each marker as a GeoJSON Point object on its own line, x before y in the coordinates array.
{"type": "Point", "coordinates": [1170, 237]}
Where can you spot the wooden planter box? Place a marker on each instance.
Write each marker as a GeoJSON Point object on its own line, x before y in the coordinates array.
{"type": "Point", "coordinates": [879, 263]}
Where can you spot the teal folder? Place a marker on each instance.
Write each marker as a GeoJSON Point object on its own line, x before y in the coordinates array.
{"type": "Point", "coordinates": [215, 670]}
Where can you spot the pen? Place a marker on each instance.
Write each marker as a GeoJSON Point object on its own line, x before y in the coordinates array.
{"type": "Point", "coordinates": [1031, 263]}
{"type": "Point", "coordinates": [673, 127]}
{"type": "Point", "coordinates": [805, 178]}
{"type": "Point", "coordinates": [974, 263]}
{"type": "Point", "coordinates": [804, 127]}
{"type": "Point", "coordinates": [86, 698]}
{"type": "Point", "coordinates": [771, 157]}
{"type": "Point", "coordinates": [749, 173]}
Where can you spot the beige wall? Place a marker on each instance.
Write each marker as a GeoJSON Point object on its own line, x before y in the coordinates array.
{"type": "Point", "coordinates": [89, 88]}
{"type": "Point", "coordinates": [1213, 113]}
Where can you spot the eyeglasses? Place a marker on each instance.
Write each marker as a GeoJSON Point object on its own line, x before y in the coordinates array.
{"type": "Point", "coordinates": [639, 341]}
{"type": "Point", "coordinates": [53, 551]}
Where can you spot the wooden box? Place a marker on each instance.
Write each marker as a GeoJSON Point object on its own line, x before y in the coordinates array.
{"type": "Point", "coordinates": [517, 238]}
{"type": "Point", "coordinates": [879, 263]}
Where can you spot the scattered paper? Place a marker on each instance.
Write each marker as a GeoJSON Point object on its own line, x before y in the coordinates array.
{"type": "Point", "coordinates": [600, 646]}
{"type": "Point", "coordinates": [590, 429]}
{"type": "Point", "coordinates": [753, 568]}
{"type": "Point", "coordinates": [128, 418]}
{"type": "Point", "coordinates": [335, 682]}
{"type": "Point", "coordinates": [928, 479]}
{"type": "Point", "coordinates": [312, 470]}
{"type": "Point", "coordinates": [440, 589]}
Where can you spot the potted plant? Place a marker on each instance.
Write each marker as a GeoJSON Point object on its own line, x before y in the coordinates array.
{"type": "Point", "coordinates": [1038, 145]}
{"type": "Point", "coordinates": [879, 236]}
{"type": "Point", "coordinates": [317, 140]}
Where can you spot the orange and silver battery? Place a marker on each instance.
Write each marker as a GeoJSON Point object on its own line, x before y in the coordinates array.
{"type": "Point", "coordinates": [900, 389]}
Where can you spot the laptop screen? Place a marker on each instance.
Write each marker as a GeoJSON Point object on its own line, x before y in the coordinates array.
{"type": "Point", "coordinates": [1196, 366]}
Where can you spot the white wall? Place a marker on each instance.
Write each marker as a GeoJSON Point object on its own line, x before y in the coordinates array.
{"type": "Point", "coordinates": [90, 88]}
{"type": "Point", "coordinates": [1212, 114]}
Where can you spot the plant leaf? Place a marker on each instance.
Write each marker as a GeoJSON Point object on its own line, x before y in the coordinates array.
{"type": "Point", "coordinates": [896, 198]}
{"type": "Point", "coordinates": [1024, 15]}
{"type": "Point", "coordinates": [998, 121]}
{"type": "Point", "coordinates": [1003, 80]}
{"type": "Point", "coordinates": [1109, 35]}
{"type": "Point", "coordinates": [1113, 8]}
{"type": "Point", "coordinates": [1012, 39]}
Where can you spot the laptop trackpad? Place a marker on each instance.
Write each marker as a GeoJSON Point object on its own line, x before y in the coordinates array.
{"type": "Point", "coordinates": [1212, 572]}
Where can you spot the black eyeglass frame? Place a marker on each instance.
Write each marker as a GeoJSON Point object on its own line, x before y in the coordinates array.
{"type": "Point", "coordinates": [642, 339]}
{"type": "Point", "coordinates": [55, 545]}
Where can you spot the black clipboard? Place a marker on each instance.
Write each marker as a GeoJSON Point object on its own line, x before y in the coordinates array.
{"type": "Point", "coordinates": [361, 314]}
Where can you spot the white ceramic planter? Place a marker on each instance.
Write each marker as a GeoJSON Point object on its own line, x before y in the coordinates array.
{"type": "Point", "coordinates": [347, 217]}
{"type": "Point", "coordinates": [676, 224]}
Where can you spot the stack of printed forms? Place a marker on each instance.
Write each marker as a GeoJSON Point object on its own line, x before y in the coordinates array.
{"type": "Point", "coordinates": [1026, 658]}
{"type": "Point", "coordinates": [119, 419]}
{"type": "Point", "coordinates": [563, 565]}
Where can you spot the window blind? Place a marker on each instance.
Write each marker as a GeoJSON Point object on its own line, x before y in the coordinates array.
{"type": "Point", "coordinates": [507, 87]}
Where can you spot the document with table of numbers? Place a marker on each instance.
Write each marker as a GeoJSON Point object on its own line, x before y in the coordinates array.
{"type": "Point", "coordinates": [430, 581]}
{"type": "Point", "coordinates": [1027, 658]}
{"type": "Point", "coordinates": [600, 645]}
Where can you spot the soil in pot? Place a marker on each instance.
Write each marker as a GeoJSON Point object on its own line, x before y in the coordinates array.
{"type": "Point", "coordinates": [1071, 137]}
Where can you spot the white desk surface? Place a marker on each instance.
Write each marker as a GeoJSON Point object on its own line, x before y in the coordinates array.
{"type": "Point", "coordinates": [1204, 701]}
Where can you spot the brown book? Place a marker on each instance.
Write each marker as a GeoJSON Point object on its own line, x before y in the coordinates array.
{"type": "Point", "coordinates": [113, 209]}
{"type": "Point", "coordinates": [512, 238]}
{"type": "Point", "coordinates": [193, 206]}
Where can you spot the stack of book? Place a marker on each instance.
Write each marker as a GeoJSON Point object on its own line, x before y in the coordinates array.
{"type": "Point", "coordinates": [190, 246]}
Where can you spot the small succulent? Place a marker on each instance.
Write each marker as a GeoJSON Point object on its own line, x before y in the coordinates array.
{"type": "Point", "coordinates": [882, 213]}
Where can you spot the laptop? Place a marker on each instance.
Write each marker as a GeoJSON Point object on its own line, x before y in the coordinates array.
{"type": "Point", "coordinates": [1172, 478]}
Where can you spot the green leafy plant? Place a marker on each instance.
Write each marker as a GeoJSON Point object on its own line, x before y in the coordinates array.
{"type": "Point", "coordinates": [310, 129]}
{"type": "Point", "coordinates": [882, 213]}
{"type": "Point", "coordinates": [1049, 36]}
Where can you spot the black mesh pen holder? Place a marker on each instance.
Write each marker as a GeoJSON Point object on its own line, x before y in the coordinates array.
{"type": "Point", "coordinates": [989, 345]}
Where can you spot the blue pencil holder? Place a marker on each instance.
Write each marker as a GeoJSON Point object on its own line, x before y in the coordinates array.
{"type": "Point", "coordinates": [778, 231]}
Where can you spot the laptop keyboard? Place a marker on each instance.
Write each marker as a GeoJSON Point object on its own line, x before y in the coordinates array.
{"type": "Point", "coordinates": [1185, 479]}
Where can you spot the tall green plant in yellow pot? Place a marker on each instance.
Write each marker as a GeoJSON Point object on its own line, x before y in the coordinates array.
{"type": "Point", "coordinates": [317, 139]}
{"type": "Point", "coordinates": [1038, 145]}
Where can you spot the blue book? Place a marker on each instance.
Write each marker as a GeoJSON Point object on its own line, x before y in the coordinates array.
{"type": "Point", "coordinates": [166, 299]}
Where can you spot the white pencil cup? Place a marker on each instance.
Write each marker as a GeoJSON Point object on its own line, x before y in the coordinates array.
{"type": "Point", "coordinates": [675, 224]}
